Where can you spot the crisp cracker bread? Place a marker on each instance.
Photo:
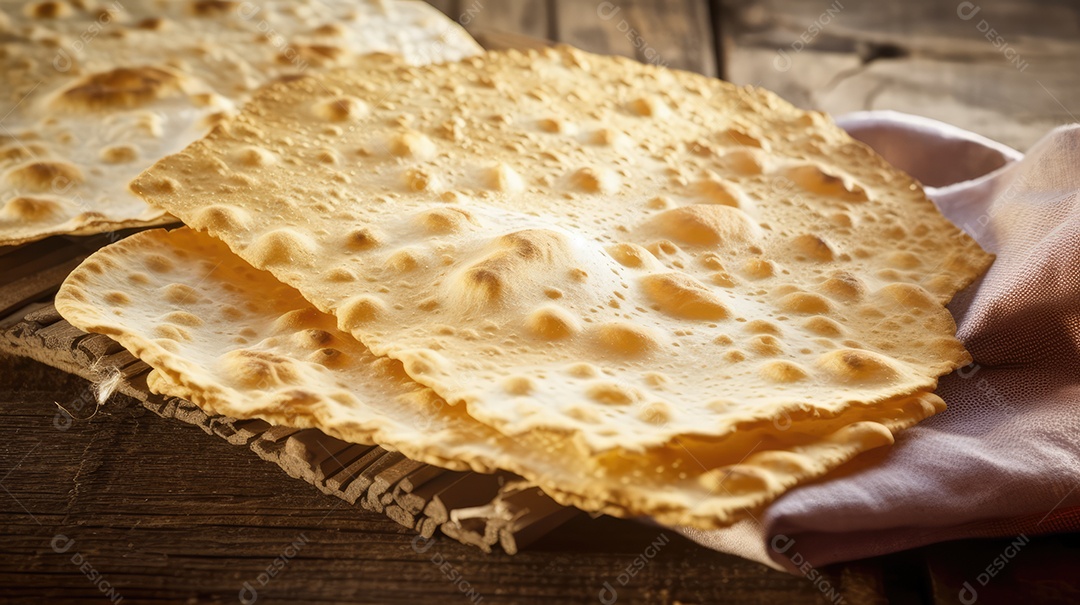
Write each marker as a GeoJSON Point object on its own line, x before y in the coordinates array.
{"type": "Point", "coordinates": [586, 244]}
{"type": "Point", "coordinates": [237, 342]}
{"type": "Point", "coordinates": [93, 96]}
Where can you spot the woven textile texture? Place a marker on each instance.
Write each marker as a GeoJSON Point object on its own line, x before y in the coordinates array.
{"type": "Point", "coordinates": [1004, 459]}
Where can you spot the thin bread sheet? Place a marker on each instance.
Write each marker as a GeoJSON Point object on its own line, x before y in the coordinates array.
{"type": "Point", "coordinates": [583, 244]}
{"type": "Point", "coordinates": [94, 93]}
{"type": "Point", "coordinates": [235, 341]}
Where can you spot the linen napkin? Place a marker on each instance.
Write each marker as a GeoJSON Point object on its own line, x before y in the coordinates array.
{"type": "Point", "coordinates": [1004, 458]}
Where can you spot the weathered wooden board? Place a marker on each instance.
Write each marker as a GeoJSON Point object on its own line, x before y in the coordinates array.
{"type": "Point", "coordinates": [676, 33]}
{"type": "Point", "coordinates": [1002, 68]}
{"type": "Point", "coordinates": [168, 514]}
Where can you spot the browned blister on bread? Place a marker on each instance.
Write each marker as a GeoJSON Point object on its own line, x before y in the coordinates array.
{"type": "Point", "coordinates": [94, 93]}
{"type": "Point", "coordinates": [237, 342]}
{"type": "Point", "coordinates": [587, 245]}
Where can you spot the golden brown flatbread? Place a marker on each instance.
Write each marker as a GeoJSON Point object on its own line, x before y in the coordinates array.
{"type": "Point", "coordinates": [586, 245]}
{"type": "Point", "coordinates": [237, 342]}
{"type": "Point", "coordinates": [94, 93]}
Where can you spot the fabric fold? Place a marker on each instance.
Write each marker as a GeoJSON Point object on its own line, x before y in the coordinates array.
{"type": "Point", "coordinates": [1003, 459]}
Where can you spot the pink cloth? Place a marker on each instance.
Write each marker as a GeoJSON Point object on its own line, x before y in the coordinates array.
{"type": "Point", "coordinates": [1004, 459]}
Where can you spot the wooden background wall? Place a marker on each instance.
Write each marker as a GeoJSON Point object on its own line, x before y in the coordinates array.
{"type": "Point", "coordinates": [1004, 68]}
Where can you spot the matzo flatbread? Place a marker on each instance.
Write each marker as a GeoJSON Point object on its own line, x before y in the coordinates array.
{"type": "Point", "coordinates": [586, 244]}
{"type": "Point", "coordinates": [92, 96]}
{"type": "Point", "coordinates": [237, 342]}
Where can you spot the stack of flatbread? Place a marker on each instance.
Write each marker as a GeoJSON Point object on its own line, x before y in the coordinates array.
{"type": "Point", "coordinates": [646, 291]}
{"type": "Point", "coordinates": [96, 92]}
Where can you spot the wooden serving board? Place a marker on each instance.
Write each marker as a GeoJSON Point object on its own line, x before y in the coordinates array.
{"type": "Point", "coordinates": [473, 508]}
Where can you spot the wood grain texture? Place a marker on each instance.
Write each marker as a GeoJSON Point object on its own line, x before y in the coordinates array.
{"type": "Point", "coordinates": [677, 33]}
{"type": "Point", "coordinates": [1002, 68]}
{"type": "Point", "coordinates": [168, 514]}
{"type": "Point", "coordinates": [520, 17]}
{"type": "Point", "coordinates": [448, 7]}
{"type": "Point", "coordinates": [523, 19]}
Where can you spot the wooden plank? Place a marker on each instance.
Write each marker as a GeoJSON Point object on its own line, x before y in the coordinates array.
{"type": "Point", "coordinates": [471, 490]}
{"type": "Point", "coordinates": [680, 31]}
{"type": "Point", "coordinates": [864, 582]}
{"type": "Point", "coordinates": [496, 40]}
{"type": "Point", "coordinates": [308, 452]}
{"type": "Point", "coordinates": [20, 314]}
{"type": "Point", "coordinates": [922, 57]}
{"type": "Point", "coordinates": [386, 479]}
{"type": "Point", "coordinates": [243, 432]}
{"type": "Point", "coordinates": [349, 482]}
{"type": "Point", "coordinates": [539, 516]}
{"type": "Point", "coordinates": [924, 25]}
{"type": "Point", "coordinates": [517, 17]}
{"type": "Point", "coordinates": [367, 477]}
{"type": "Point", "coordinates": [192, 414]}
{"type": "Point", "coordinates": [1004, 570]}
{"type": "Point", "coordinates": [5, 250]}
{"type": "Point", "coordinates": [61, 337]}
{"type": "Point", "coordinates": [404, 495]}
{"type": "Point", "coordinates": [674, 33]}
{"type": "Point", "coordinates": [448, 7]}
{"type": "Point", "coordinates": [398, 514]}
{"type": "Point", "coordinates": [44, 316]}
{"type": "Point", "coordinates": [34, 287]}
{"type": "Point", "coordinates": [221, 517]}
{"type": "Point", "coordinates": [578, 24]}
{"type": "Point", "coordinates": [720, 49]}
{"type": "Point", "coordinates": [32, 258]}
{"type": "Point", "coordinates": [99, 349]}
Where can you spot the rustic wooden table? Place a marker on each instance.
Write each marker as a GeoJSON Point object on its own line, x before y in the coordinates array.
{"type": "Point", "coordinates": [129, 505]}
{"type": "Point", "coordinates": [160, 512]}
